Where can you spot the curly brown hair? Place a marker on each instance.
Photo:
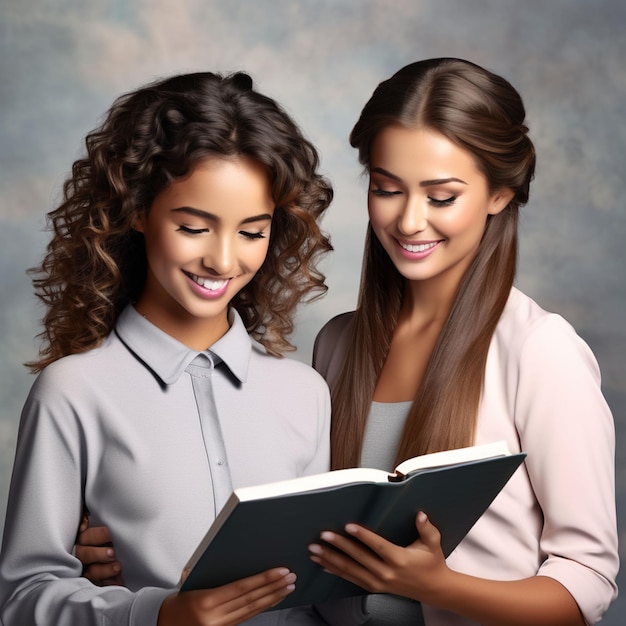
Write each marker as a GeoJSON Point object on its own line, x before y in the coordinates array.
{"type": "Point", "coordinates": [95, 263]}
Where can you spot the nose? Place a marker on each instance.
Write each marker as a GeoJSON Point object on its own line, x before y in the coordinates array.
{"type": "Point", "coordinates": [414, 216]}
{"type": "Point", "coordinates": [219, 258]}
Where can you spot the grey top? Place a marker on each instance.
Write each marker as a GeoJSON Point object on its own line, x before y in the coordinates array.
{"type": "Point", "coordinates": [119, 430]}
{"type": "Point", "coordinates": [382, 434]}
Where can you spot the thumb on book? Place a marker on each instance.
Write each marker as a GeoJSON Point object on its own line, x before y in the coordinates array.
{"type": "Point", "coordinates": [429, 535]}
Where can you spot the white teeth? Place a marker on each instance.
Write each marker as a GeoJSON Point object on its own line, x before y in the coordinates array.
{"type": "Point", "coordinates": [418, 247]}
{"type": "Point", "coordinates": [211, 285]}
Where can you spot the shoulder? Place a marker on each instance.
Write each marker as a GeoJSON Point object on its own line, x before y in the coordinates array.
{"type": "Point", "coordinates": [74, 376]}
{"type": "Point", "coordinates": [74, 365]}
{"type": "Point", "coordinates": [285, 371]}
{"type": "Point", "coordinates": [530, 333]}
{"type": "Point", "coordinates": [522, 312]}
{"type": "Point", "coordinates": [283, 386]}
{"type": "Point", "coordinates": [63, 397]}
{"type": "Point", "coordinates": [335, 328]}
{"type": "Point", "coordinates": [331, 345]}
{"type": "Point", "coordinates": [550, 373]}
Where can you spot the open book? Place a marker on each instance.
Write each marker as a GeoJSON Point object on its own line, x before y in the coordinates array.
{"type": "Point", "coordinates": [272, 525]}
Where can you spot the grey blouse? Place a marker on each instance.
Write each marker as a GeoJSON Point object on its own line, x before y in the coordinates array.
{"type": "Point", "coordinates": [121, 430]}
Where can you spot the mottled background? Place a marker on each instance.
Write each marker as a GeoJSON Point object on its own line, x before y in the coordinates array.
{"type": "Point", "coordinates": [62, 63]}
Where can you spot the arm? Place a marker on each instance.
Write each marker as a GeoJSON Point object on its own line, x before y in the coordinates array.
{"type": "Point", "coordinates": [419, 571]}
{"type": "Point", "coordinates": [39, 576]}
{"type": "Point", "coordinates": [565, 426]}
{"type": "Point", "coordinates": [40, 579]}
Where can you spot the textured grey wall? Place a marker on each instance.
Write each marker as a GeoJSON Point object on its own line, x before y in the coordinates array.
{"type": "Point", "coordinates": [63, 61]}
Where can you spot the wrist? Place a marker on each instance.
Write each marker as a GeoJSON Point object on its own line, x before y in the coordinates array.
{"type": "Point", "coordinates": [441, 587]}
{"type": "Point", "coordinates": [167, 612]}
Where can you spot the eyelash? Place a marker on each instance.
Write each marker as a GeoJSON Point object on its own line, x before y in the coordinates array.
{"type": "Point", "coordinates": [199, 231]}
{"type": "Point", "coordinates": [384, 194]}
{"type": "Point", "coordinates": [192, 231]}
{"type": "Point", "coordinates": [381, 193]}
{"type": "Point", "coordinates": [442, 203]}
{"type": "Point", "coordinates": [252, 235]}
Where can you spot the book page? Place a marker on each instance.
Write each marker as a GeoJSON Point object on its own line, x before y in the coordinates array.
{"type": "Point", "coordinates": [366, 474]}
{"type": "Point", "coordinates": [452, 457]}
{"type": "Point", "coordinates": [313, 482]}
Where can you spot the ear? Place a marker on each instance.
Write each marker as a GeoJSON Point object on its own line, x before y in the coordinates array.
{"type": "Point", "coordinates": [499, 200]}
{"type": "Point", "coordinates": [139, 223]}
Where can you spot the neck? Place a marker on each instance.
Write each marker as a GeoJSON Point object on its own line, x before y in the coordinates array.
{"type": "Point", "coordinates": [428, 301]}
{"type": "Point", "coordinates": [197, 334]}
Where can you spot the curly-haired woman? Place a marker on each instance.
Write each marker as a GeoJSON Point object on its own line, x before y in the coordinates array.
{"type": "Point", "coordinates": [186, 238]}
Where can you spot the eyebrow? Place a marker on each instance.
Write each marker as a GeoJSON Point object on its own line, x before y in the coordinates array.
{"type": "Point", "coordinates": [423, 183]}
{"type": "Point", "coordinates": [211, 216]}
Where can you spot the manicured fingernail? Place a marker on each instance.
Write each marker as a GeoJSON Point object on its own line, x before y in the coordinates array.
{"type": "Point", "coordinates": [327, 535]}
{"type": "Point", "coordinates": [422, 517]}
{"type": "Point", "coordinates": [352, 529]}
{"type": "Point", "coordinates": [110, 552]}
{"type": "Point", "coordinates": [315, 549]}
{"type": "Point", "coordinates": [291, 578]}
{"type": "Point", "coordinates": [283, 571]}
{"type": "Point", "coordinates": [117, 568]}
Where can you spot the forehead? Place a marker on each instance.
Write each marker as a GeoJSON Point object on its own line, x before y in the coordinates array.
{"type": "Point", "coordinates": [421, 152]}
{"type": "Point", "coordinates": [216, 183]}
{"type": "Point", "coordinates": [223, 173]}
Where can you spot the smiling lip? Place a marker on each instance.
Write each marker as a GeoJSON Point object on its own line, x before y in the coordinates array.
{"type": "Point", "coordinates": [208, 287]}
{"type": "Point", "coordinates": [416, 251]}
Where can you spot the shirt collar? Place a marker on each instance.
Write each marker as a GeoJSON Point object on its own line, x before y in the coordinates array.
{"type": "Point", "coordinates": [167, 357]}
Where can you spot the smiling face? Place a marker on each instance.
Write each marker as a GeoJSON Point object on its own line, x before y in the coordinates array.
{"type": "Point", "coordinates": [428, 204]}
{"type": "Point", "coordinates": [206, 237]}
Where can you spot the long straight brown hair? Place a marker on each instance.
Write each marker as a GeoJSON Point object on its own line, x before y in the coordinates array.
{"type": "Point", "coordinates": [483, 114]}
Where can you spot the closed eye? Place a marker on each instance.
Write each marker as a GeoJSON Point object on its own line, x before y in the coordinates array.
{"type": "Point", "coordinates": [383, 193]}
{"type": "Point", "coordinates": [249, 235]}
{"type": "Point", "coordinates": [442, 203]}
{"type": "Point", "coordinates": [192, 231]}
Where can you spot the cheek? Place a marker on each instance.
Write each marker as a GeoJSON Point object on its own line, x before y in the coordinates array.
{"type": "Point", "coordinates": [255, 257]}
{"type": "Point", "coordinates": [164, 249]}
{"type": "Point", "coordinates": [467, 220]}
{"type": "Point", "coordinates": [263, 253]}
{"type": "Point", "coordinates": [380, 216]}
